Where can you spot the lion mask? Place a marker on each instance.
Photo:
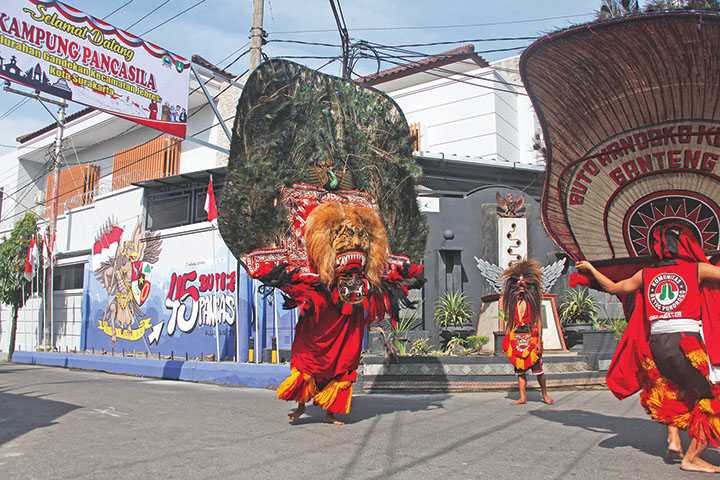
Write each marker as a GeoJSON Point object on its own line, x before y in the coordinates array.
{"type": "Point", "coordinates": [347, 245]}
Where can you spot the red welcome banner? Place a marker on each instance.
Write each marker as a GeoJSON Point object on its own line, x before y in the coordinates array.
{"type": "Point", "coordinates": [54, 48]}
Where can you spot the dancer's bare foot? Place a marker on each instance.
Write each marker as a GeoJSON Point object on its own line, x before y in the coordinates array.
{"type": "Point", "coordinates": [296, 413]}
{"type": "Point", "coordinates": [520, 401]}
{"type": "Point", "coordinates": [698, 465]}
{"type": "Point", "coordinates": [332, 419]}
{"type": "Point", "coordinates": [547, 399]}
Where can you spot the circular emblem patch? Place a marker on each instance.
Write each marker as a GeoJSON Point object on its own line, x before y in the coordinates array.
{"type": "Point", "coordinates": [667, 291]}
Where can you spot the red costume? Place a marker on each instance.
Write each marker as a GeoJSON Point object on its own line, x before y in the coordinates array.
{"type": "Point", "coordinates": [671, 366]}
{"type": "Point", "coordinates": [333, 317]}
{"type": "Point", "coordinates": [522, 343]}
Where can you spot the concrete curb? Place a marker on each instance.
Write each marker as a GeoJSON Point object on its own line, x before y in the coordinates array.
{"type": "Point", "coordinates": [223, 373]}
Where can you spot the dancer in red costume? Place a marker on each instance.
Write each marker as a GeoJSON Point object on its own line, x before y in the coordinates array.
{"type": "Point", "coordinates": [522, 295]}
{"type": "Point", "coordinates": [351, 286]}
{"type": "Point", "coordinates": [671, 344]}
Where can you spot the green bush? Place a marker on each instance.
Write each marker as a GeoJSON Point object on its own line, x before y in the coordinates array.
{"type": "Point", "coordinates": [477, 342]}
{"type": "Point", "coordinates": [578, 307]}
{"type": "Point", "coordinates": [456, 346]}
{"type": "Point", "coordinates": [615, 325]}
{"type": "Point", "coordinates": [421, 346]}
{"type": "Point", "coordinates": [453, 309]}
{"type": "Point", "coordinates": [398, 334]}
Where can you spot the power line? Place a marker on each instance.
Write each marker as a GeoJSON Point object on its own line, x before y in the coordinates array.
{"type": "Point", "coordinates": [445, 70]}
{"type": "Point", "coordinates": [434, 27]}
{"type": "Point", "coordinates": [470, 40]}
{"type": "Point", "coordinates": [111, 172]}
{"type": "Point", "coordinates": [118, 9]}
{"type": "Point", "coordinates": [428, 72]}
{"type": "Point", "coordinates": [98, 160]}
{"type": "Point", "coordinates": [148, 14]}
{"type": "Point", "coordinates": [19, 104]}
{"type": "Point", "coordinates": [427, 44]}
{"type": "Point", "coordinates": [173, 17]}
{"type": "Point", "coordinates": [218, 62]}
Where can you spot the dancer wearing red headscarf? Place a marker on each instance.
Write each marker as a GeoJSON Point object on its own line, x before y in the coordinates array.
{"type": "Point", "coordinates": [670, 347]}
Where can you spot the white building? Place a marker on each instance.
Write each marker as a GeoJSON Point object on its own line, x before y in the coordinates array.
{"type": "Point", "coordinates": [460, 107]}
{"type": "Point", "coordinates": [109, 165]}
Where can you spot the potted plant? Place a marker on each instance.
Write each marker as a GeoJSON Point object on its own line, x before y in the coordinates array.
{"type": "Point", "coordinates": [578, 312]}
{"type": "Point", "coordinates": [604, 336]}
{"type": "Point", "coordinates": [421, 347]}
{"type": "Point", "coordinates": [398, 334]}
{"type": "Point", "coordinates": [475, 344]}
{"type": "Point", "coordinates": [453, 311]}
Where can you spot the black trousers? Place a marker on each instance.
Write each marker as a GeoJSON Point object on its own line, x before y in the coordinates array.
{"type": "Point", "coordinates": [674, 365]}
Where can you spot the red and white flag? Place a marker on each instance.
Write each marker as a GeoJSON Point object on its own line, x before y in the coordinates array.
{"type": "Point", "coordinates": [47, 249]}
{"type": "Point", "coordinates": [210, 205]}
{"type": "Point", "coordinates": [31, 260]}
{"type": "Point", "coordinates": [105, 245]}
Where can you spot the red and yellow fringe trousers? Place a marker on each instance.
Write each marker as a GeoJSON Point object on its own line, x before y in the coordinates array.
{"type": "Point", "coordinates": [333, 396]}
{"type": "Point", "coordinates": [682, 405]}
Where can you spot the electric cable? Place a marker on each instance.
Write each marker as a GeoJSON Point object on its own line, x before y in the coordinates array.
{"type": "Point", "coordinates": [437, 27]}
{"type": "Point", "coordinates": [148, 14]}
{"type": "Point", "coordinates": [200, 2]}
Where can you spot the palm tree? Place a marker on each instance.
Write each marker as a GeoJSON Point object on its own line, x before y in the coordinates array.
{"type": "Point", "coordinates": [656, 5]}
{"type": "Point", "coordinates": [617, 8]}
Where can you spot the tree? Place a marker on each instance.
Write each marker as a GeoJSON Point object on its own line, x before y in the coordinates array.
{"type": "Point", "coordinates": [617, 8]}
{"type": "Point", "coordinates": [12, 257]}
{"type": "Point", "coordinates": [659, 5]}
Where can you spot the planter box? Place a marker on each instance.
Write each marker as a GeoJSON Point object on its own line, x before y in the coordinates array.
{"type": "Point", "coordinates": [499, 338]}
{"type": "Point", "coordinates": [574, 333]}
{"type": "Point", "coordinates": [376, 346]}
{"type": "Point", "coordinates": [599, 341]}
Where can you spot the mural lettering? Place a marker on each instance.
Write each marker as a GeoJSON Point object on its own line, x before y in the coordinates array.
{"type": "Point", "coordinates": [204, 297]}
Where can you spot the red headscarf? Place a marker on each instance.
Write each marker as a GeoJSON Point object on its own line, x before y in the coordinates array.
{"type": "Point", "coordinates": [676, 242]}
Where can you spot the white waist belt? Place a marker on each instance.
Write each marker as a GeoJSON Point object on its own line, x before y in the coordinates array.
{"type": "Point", "coordinates": [675, 325]}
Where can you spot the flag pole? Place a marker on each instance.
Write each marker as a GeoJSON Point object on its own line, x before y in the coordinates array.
{"type": "Point", "coordinates": [211, 209]}
{"type": "Point", "coordinates": [217, 317]}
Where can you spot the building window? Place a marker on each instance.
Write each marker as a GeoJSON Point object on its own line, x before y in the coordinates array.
{"type": "Point", "coordinates": [156, 158]}
{"type": "Point", "coordinates": [179, 206]}
{"type": "Point", "coordinates": [69, 277]}
{"type": "Point", "coordinates": [452, 277]}
{"type": "Point", "coordinates": [76, 187]}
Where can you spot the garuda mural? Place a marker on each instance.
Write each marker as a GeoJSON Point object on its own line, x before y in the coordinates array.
{"type": "Point", "coordinates": [125, 275]}
{"type": "Point", "coordinates": [320, 189]}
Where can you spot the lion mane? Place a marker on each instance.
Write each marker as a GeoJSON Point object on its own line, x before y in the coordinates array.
{"type": "Point", "coordinates": [322, 224]}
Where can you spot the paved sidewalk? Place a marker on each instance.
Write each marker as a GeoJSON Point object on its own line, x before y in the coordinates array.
{"type": "Point", "coordinates": [61, 424]}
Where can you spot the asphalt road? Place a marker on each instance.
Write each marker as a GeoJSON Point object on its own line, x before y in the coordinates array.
{"type": "Point", "coordinates": [59, 424]}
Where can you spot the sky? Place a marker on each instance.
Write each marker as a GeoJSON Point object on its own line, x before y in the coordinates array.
{"type": "Point", "coordinates": [216, 28]}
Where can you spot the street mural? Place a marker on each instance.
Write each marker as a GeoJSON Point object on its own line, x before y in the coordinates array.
{"type": "Point", "coordinates": [176, 295]}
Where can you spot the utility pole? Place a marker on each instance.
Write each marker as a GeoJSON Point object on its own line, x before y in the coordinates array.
{"type": "Point", "coordinates": [344, 37]}
{"type": "Point", "coordinates": [257, 34]}
{"type": "Point", "coordinates": [55, 165]}
{"type": "Point", "coordinates": [48, 318]}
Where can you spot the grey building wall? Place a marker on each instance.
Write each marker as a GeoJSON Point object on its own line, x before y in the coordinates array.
{"type": "Point", "coordinates": [468, 211]}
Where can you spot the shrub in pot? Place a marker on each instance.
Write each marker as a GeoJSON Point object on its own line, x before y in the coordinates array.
{"type": "Point", "coordinates": [578, 313]}
{"type": "Point", "coordinates": [452, 312]}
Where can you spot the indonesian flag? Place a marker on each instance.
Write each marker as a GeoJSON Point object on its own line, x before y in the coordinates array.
{"type": "Point", "coordinates": [48, 248]}
{"type": "Point", "coordinates": [105, 245]}
{"type": "Point", "coordinates": [31, 260]}
{"type": "Point", "coordinates": [210, 205]}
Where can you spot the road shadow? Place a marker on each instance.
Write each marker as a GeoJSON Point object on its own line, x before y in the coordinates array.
{"type": "Point", "coordinates": [644, 435]}
{"type": "Point", "coordinates": [21, 413]}
{"type": "Point", "coordinates": [369, 406]}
